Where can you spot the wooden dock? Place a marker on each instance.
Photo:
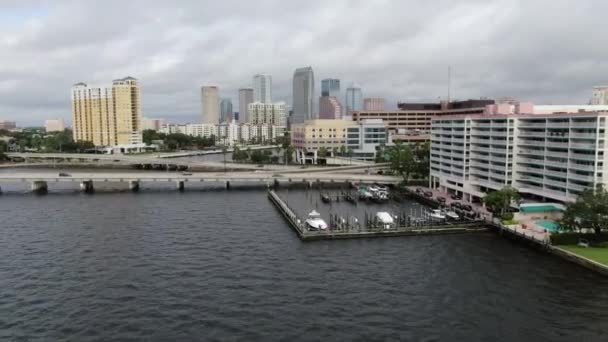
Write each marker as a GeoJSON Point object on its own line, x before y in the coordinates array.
{"type": "Point", "coordinates": [299, 226]}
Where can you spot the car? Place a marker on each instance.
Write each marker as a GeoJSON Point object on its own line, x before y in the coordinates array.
{"type": "Point", "coordinates": [63, 174]}
{"type": "Point", "coordinates": [455, 197]}
{"type": "Point", "coordinates": [467, 207]}
{"type": "Point", "coordinates": [419, 190]}
{"type": "Point", "coordinates": [428, 193]}
{"type": "Point", "coordinates": [457, 205]}
{"type": "Point", "coordinates": [441, 200]}
{"type": "Point", "coordinates": [186, 173]}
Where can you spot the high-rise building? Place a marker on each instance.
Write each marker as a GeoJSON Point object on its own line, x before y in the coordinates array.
{"type": "Point", "coordinates": [245, 98]}
{"type": "Point", "coordinates": [225, 110]}
{"type": "Point", "coordinates": [354, 99]}
{"type": "Point", "coordinates": [373, 103]}
{"type": "Point", "coordinates": [600, 95]}
{"type": "Point", "coordinates": [303, 95]}
{"type": "Point", "coordinates": [107, 116]}
{"type": "Point", "coordinates": [54, 125]}
{"type": "Point", "coordinates": [330, 87]}
{"type": "Point", "coordinates": [262, 88]}
{"type": "Point", "coordinates": [329, 108]}
{"type": "Point", "coordinates": [268, 113]}
{"type": "Point", "coordinates": [210, 104]}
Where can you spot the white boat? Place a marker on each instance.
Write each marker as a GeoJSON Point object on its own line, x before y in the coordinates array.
{"type": "Point", "coordinates": [451, 215]}
{"type": "Point", "coordinates": [385, 219]}
{"type": "Point", "coordinates": [436, 214]}
{"type": "Point", "coordinates": [365, 195]}
{"type": "Point", "coordinates": [315, 222]}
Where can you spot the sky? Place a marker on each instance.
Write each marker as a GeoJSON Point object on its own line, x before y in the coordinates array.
{"type": "Point", "coordinates": [547, 52]}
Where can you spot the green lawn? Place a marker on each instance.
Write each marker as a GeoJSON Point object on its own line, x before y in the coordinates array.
{"type": "Point", "coordinates": [596, 254]}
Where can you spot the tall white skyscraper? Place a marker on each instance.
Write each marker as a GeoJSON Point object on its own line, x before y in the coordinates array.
{"type": "Point", "coordinates": [600, 95]}
{"type": "Point", "coordinates": [354, 99]}
{"type": "Point", "coordinates": [303, 95]}
{"type": "Point", "coordinates": [210, 104]}
{"type": "Point", "coordinates": [262, 88]}
{"type": "Point", "coordinates": [245, 98]}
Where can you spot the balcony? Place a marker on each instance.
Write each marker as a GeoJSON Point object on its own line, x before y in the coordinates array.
{"type": "Point", "coordinates": [579, 187]}
{"type": "Point", "coordinates": [580, 177]}
{"type": "Point", "coordinates": [561, 184]}
{"type": "Point", "coordinates": [557, 154]}
{"type": "Point", "coordinates": [480, 141]}
{"type": "Point", "coordinates": [538, 171]}
{"type": "Point", "coordinates": [583, 135]}
{"type": "Point", "coordinates": [582, 146]}
{"type": "Point", "coordinates": [554, 173]}
{"type": "Point", "coordinates": [537, 134]}
{"type": "Point", "coordinates": [583, 167]}
{"type": "Point", "coordinates": [531, 124]}
{"type": "Point", "coordinates": [530, 161]}
{"type": "Point", "coordinates": [580, 156]}
{"type": "Point", "coordinates": [590, 124]}
{"type": "Point", "coordinates": [526, 142]}
{"type": "Point", "coordinates": [527, 178]}
{"type": "Point", "coordinates": [556, 163]}
{"type": "Point", "coordinates": [551, 124]}
{"type": "Point", "coordinates": [532, 152]}
{"type": "Point", "coordinates": [556, 144]}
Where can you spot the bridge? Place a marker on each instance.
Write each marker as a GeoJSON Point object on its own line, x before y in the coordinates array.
{"type": "Point", "coordinates": [40, 181]}
{"type": "Point", "coordinates": [207, 152]}
{"type": "Point", "coordinates": [154, 161]}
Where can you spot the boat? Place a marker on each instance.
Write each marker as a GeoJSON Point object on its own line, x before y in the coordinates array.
{"type": "Point", "coordinates": [315, 222]}
{"type": "Point", "coordinates": [365, 195]}
{"type": "Point", "coordinates": [380, 196]}
{"type": "Point", "coordinates": [325, 198]}
{"type": "Point", "coordinates": [385, 219]}
{"type": "Point", "coordinates": [451, 215]}
{"type": "Point", "coordinates": [350, 198]}
{"type": "Point", "coordinates": [436, 214]}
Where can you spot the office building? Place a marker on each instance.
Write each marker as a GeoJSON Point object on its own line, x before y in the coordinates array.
{"type": "Point", "coordinates": [225, 110]}
{"type": "Point", "coordinates": [547, 156]}
{"type": "Point", "coordinates": [262, 88]}
{"type": "Point", "coordinates": [303, 95]}
{"type": "Point", "coordinates": [210, 105]}
{"type": "Point", "coordinates": [362, 138]}
{"type": "Point", "coordinates": [600, 95]}
{"type": "Point", "coordinates": [7, 125]}
{"type": "Point", "coordinates": [330, 87]}
{"type": "Point", "coordinates": [54, 125]}
{"type": "Point", "coordinates": [329, 108]}
{"type": "Point", "coordinates": [353, 100]}
{"type": "Point", "coordinates": [373, 104]}
{"type": "Point", "coordinates": [107, 115]}
{"type": "Point", "coordinates": [267, 113]}
{"type": "Point", "coordinates": [245, 98]}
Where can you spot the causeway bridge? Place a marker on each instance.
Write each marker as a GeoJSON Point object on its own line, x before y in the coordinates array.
{"type": "Point", "coordinates": [40, 182]}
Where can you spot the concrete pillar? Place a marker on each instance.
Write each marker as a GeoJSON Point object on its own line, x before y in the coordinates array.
{"type": "Point", "coordinates": [276, 183]}
{"type": "Point", "coordinates": [87, 186]}
{"type": "Point", "coordinates": [180, 185]}
{"type": "Point", "coordinates": [134, 185]}
{"type": "Point", "coordinates": [310, 184]}
{"type": "Point", "coordinates": [40, 187]}
{"type": "Point", "coordinates": [227, 185]}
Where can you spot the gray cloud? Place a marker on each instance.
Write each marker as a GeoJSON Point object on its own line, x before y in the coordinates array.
{"type": "Point", "coordinates": [545, 52]}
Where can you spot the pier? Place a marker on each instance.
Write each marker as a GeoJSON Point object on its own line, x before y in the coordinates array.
{"type": "Point", "coordinates": [346, 230]}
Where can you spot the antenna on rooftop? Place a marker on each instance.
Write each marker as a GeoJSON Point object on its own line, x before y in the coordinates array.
{"type": "Point", "coordinates": [449, 81]}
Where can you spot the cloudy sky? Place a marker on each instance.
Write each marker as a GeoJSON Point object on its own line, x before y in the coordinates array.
{"type": "Point", "coordinates": [545, 51]}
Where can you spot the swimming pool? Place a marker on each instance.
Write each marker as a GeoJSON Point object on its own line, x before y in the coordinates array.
{"type": "Point", "coordinates": [551, 226]}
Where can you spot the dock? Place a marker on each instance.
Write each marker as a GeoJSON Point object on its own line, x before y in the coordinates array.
{"type": "Point", "coordinates": [299, 227]}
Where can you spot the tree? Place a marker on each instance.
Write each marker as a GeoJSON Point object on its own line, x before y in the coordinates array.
{"type": "Point", "coordinates": [288, 154]}
{"type": "Point", "coordinates": [3, 149]}
{"type": "Point", "coordinates": [590, 211]}
{"type": "Point", "coordinates": [499, 201]}
{"type": "Point", "coordinates": [342, 150]}
{"type": "Point", "coordinates": [402, 160]}
{"type": "Point", "coordinates": [322, 152]}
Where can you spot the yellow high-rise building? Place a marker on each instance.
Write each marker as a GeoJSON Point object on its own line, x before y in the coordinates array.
{"type": "Point", "coordinates": [108, 116]}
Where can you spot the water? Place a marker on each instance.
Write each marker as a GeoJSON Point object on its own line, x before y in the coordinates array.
{"type": "Point", "coordinates": [219, 265]}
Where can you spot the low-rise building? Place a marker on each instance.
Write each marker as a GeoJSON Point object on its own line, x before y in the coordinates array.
{"type": "Point", "coordinates": [152, 124]}
{"type": "Point", "coordinates": [337, 136]}
{"type": "Point", "coordinates": [549, 156]}
{"type": "Point", "coordinates": [54, 125]}
{"type": "Point", "coordinates": [267, 113]}
{"type": "Point", "coordinates": [231, 133]}
{"type": "Point", "coordinates": [7, 125]}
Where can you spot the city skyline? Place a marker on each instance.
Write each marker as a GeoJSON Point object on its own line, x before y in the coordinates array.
{"type": "Point", "coordinates": [172, 70]}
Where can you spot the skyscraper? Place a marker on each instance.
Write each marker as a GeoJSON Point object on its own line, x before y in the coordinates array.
{"type": "Point", "coordinates": [210, 105]}
{"type": "Point", "coordinates": [245, 98]}
{"type": "Point", "coordinates": [107, 116]}
{"type": "Point", "coordinates": [329, 108]}
{"type": "Point", "coordinates": [225, 110]}
{"type": "Point", "coordinates": [330, 87]}
{"type": "Point", "coordinates": [354, 99]}
{"type": "Point", "coordinates": [262, 88]}
{"type": "Point", "coordinates": [303, 95]}
{"type": "Point", "coordinates": [600, 95]}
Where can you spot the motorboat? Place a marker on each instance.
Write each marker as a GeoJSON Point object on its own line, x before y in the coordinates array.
{"type": "Point", "coordinates": [436, 214]}
{"type": "Point", "coordinates": [325, 198]}
{"type": "Point", "coordinates": [385, 219]}
{"type": "Point", "coordinates": [365, 195]}
{"type": "Point", "coordinates": [380, 196]}
{"type": "Point", "coordinates": [451, 215]}
{"type": "Point", "coordinates": [315, 222]}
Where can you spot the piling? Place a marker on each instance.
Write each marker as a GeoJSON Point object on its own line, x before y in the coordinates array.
{"type": "Point", "coordinates": [40, 187]}
{"type": "Point", "coordinates": [87, 186]}
{"type": "Point", "coordinates": [180, 185]}
{"type": "Point", "coordinates": [134, 185]}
